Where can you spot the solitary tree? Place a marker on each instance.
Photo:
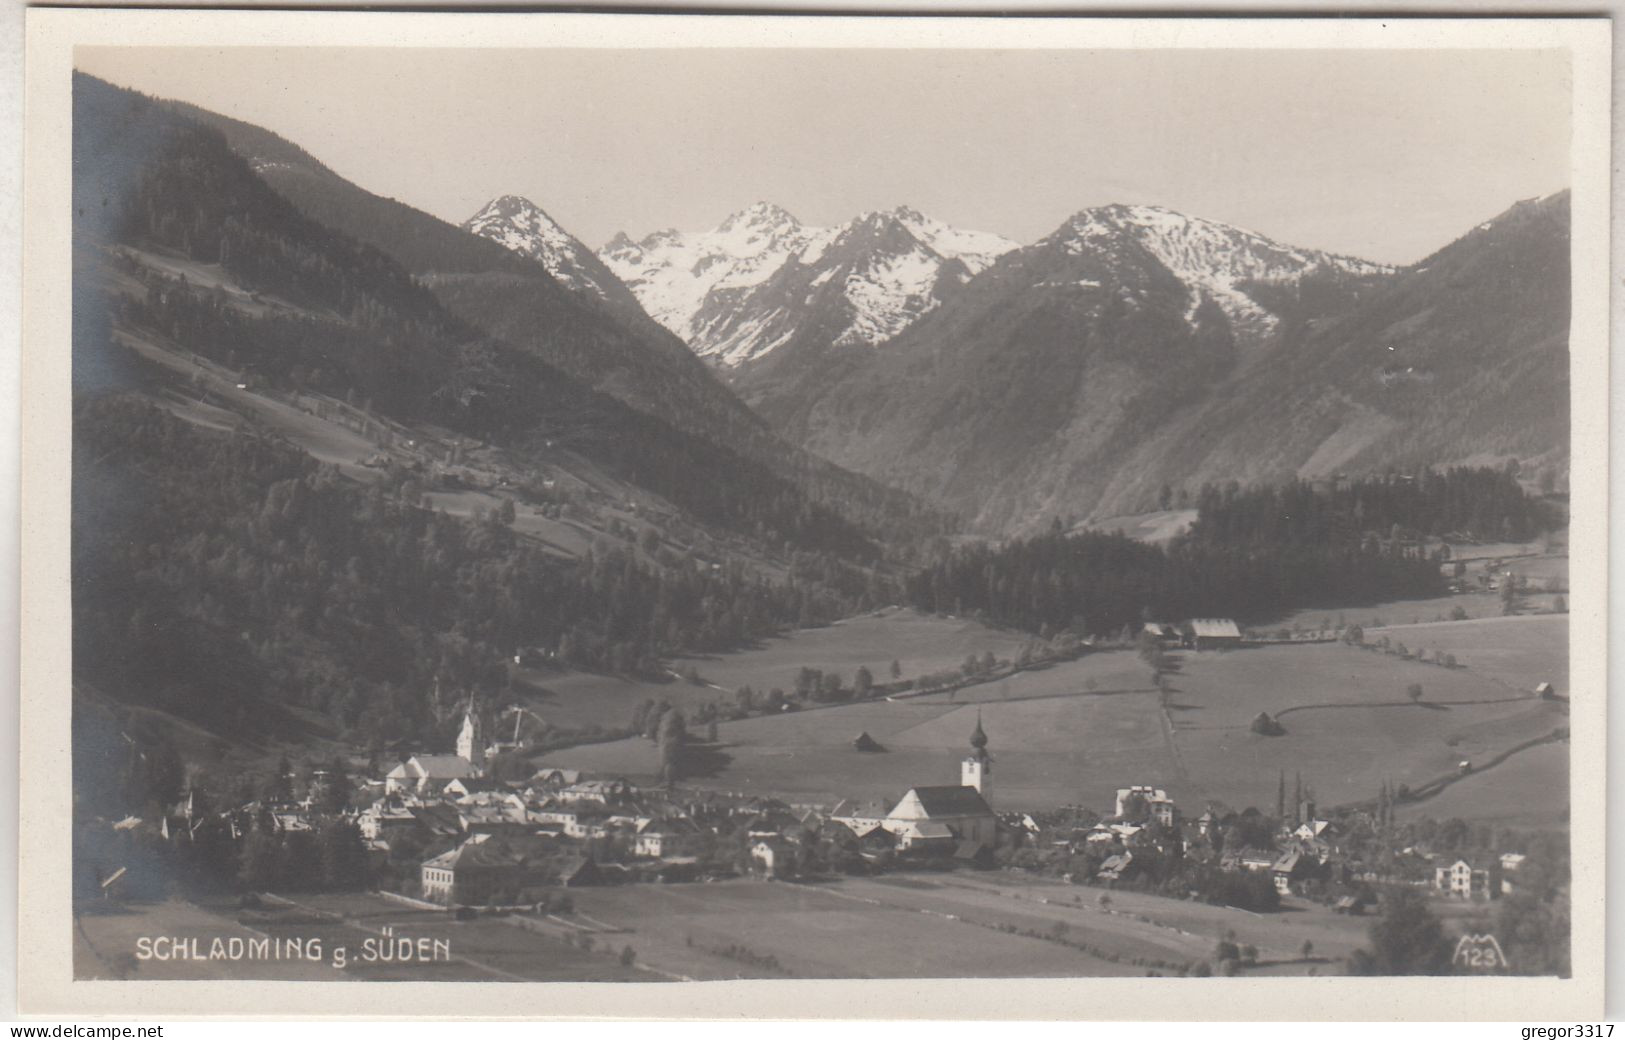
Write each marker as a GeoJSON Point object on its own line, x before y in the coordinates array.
{"type": "Point", "coordinates": [673, 733]}
{"type": "Point", "coordinates": [863, 682]}
{"type": "Point", "coordinates": [1414, 692]}
{"type": "Point", "coordinates": [896, 669]}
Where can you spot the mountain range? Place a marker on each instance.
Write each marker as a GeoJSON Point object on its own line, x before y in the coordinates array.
{"type": "Point", "coordinates": [895, 364]}
{"type": "Point", "coordinates": [742, 291]}
{"type": "Point", "coordinates": [1133, 348]}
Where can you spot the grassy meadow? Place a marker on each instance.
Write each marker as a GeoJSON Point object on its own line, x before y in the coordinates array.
{"type": "Point", "coordinates": [1074, 732]}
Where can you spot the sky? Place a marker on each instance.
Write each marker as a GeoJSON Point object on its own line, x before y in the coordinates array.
{"type": "Point", "coordinates": [1385, 155]}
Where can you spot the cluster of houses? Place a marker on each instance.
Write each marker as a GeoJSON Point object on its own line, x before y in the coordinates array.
{"type": "Point", "coordinates": [560, 827]}
{"type": "Point", "coordinates": [488, 841]}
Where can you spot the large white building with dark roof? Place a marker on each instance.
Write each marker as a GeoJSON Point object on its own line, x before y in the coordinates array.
{"type": "Point", "coordinates": [963, 810]}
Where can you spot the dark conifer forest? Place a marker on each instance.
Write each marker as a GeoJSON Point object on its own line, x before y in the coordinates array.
{"type": "Point", "coordinates": [1251, 554]}
{"type": "Point", "coordinates": [218, 575]}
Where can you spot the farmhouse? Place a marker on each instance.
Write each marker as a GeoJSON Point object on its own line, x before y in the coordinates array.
{"type": "Point", "coordinates": [664, 838]}
{"type": "Point", "coordinates": [1142, 802]}
{"type": "Point", "coordinates": [384, 818]}
{"type": "Point", "coordinates": [862, 817]}
{"type": "Point", "coordinates": [1469, 877]}
{"type": "Point", "coordinates": [1163, 634]}
{"type": "Point", "coordinates": [1211, 633]}
{"type": "Point", "coordinates": [1293, 868]}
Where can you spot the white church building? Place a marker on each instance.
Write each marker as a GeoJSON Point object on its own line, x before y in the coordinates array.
{"type": "Point", "coordinates": [423, 774]}
{"type": "Point", "coordinates": [965, 811]}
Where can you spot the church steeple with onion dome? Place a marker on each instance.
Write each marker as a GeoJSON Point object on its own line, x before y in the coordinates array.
{"type": "Point", "coordinates": [977, 768]}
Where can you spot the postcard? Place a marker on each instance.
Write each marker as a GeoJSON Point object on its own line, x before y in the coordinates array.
{"type": "Point", "coordinates": [668, 516]}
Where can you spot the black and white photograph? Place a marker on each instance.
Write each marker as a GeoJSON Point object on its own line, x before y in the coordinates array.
{"type": "Point", "coordinates": [918, 509]}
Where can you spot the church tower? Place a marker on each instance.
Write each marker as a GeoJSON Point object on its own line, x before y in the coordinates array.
{"type": "Point", "coordinates": [469, 744]}
{"type": "Point", "coordinates": [977, 768]}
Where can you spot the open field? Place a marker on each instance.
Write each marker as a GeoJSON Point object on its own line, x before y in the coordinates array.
{"type": "Point", "coordinates": [920, 644]}
{"type": "Point", "coordinates": [1346, 752]}
{"type": "Point", "coordinates": [1074, 732]}
{"type": "Point", "coordinates": [1520, 651]}
{"type": "Point", "coordinates": [482, 950]}
{"type": "Point", "coordinates": [822, 931]}
{"type": "Point", "coordinates": [1072, 743]}
{"type": "Point", "coordinates": [945, 925]}
{"type": "Point", "coordinates": [1530, 791]}
{"type": "Point", "coordinates": [1349, 724]}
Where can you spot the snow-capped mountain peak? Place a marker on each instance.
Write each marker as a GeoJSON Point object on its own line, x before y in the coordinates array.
{"type": "Point", "coordinates": [739, 291]}
{"type": "Point", "coordinates": [524, 227]}
{"type": "Point", "coordinates": [760, 215]}
{"type": "Point", "coordinates": [1212, 258]}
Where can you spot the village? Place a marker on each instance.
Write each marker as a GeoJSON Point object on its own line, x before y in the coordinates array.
{"type": "Point", "coordinates": [565, 828]}
{"type": "Point", "coordinates": [439, 831]}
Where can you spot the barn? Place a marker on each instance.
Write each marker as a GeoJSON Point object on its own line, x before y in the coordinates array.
{"type": "Point", "coordinates": [1211, 633]}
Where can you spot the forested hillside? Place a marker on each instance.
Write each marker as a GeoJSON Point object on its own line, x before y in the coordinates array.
{"type": "Point", "coordinates": [1251, 554]}
{"type": "Point", "coordinates": [347, 320]}
{"type": "Point", "coordinates": [220, 577]}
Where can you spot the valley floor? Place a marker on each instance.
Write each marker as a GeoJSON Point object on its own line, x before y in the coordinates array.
{"type": "Point", "coordinates": [1073, 732]}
